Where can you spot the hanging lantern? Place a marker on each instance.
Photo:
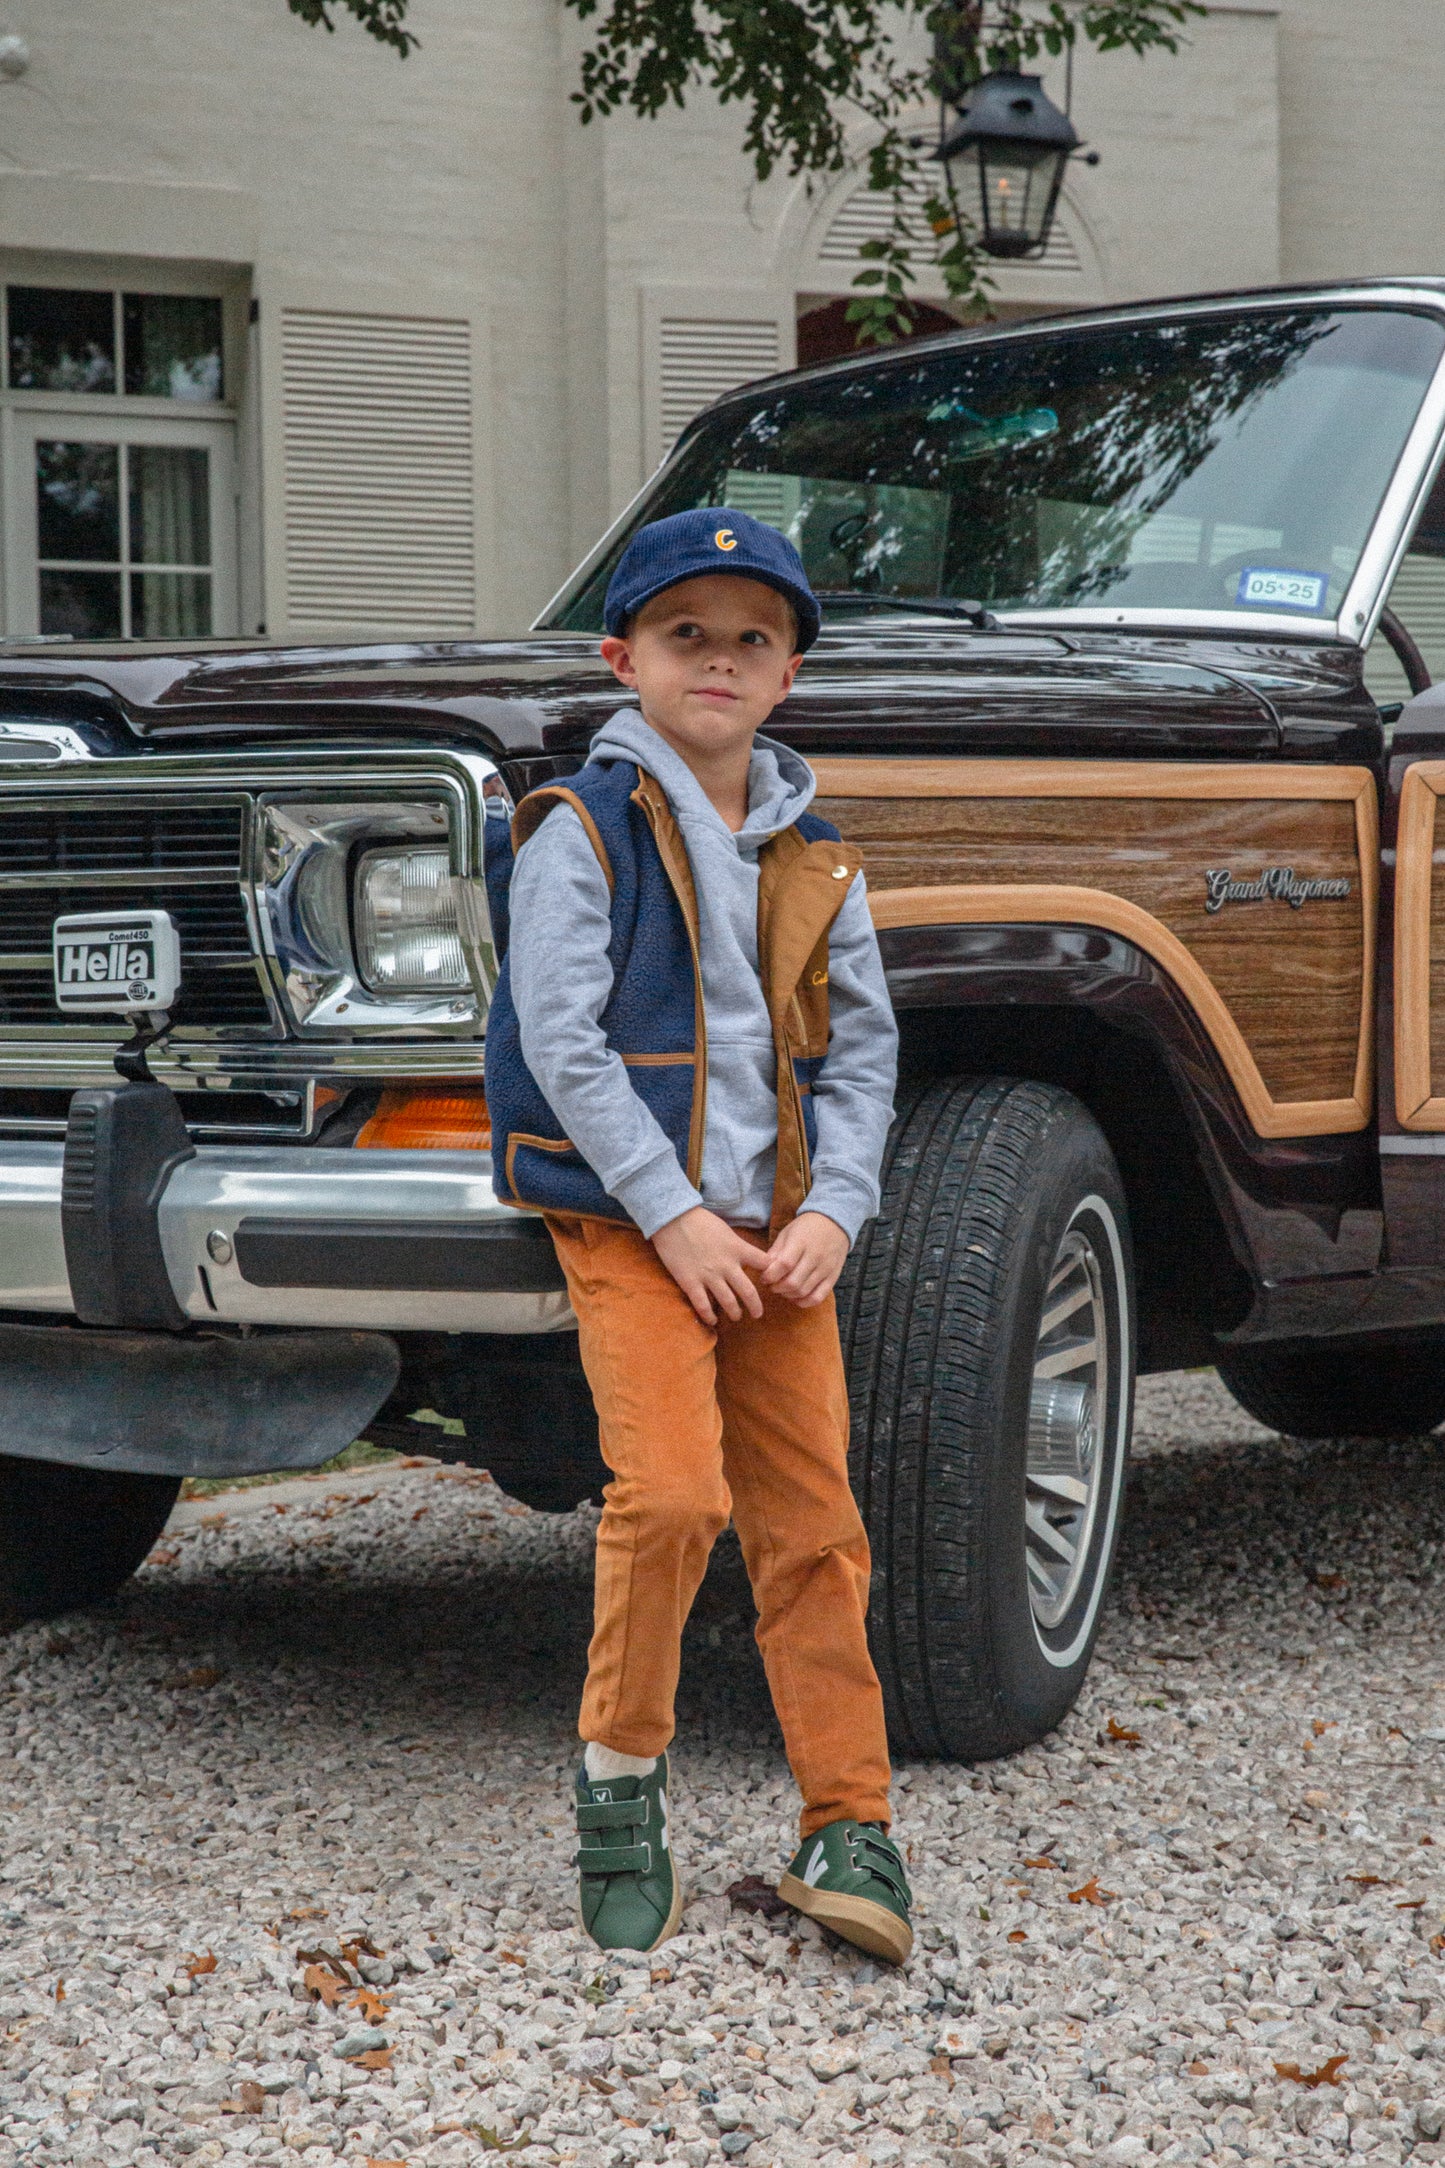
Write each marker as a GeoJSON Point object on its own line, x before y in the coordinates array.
{"type": "Point", "coordinates": [1006, 152]}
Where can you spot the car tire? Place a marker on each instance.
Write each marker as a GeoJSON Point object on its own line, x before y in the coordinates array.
{"type": "Point", "coordinates": [70, 1536]}
{"type": "Point", "coordinates": [1336, 1389]}
{"type": "Point", "coordinates": [975, 1476]}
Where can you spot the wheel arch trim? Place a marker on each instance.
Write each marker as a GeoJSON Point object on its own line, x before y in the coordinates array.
{"type": "Point", "coordinates": [1027, 904]}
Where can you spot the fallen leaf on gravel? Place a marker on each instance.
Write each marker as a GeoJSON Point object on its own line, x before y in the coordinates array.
{"type": "Point", "coordinates": [941, 2067]}
{"type": "Point", "coordinates": [1041, 1860]}
{"type": "Point", "coordinates": [310, 1912]}
{"type": "Point", "coordinates": [1091, 1894]}
{"type": "Point", "coordinates": [660, 1976]}
{"type": "Point", "coordinates": [1367, 1881]}
{"type": "Point", "coordinates": [373, 2059]}
{"type": "Point", "coordinates": [510, 1957]}
{"type": "Point", "coordinates": [1319, 1727]}
{"type": "Point", "coordinates": [203, 1677]}
{"type": "Point", "coordinates": [1327, 2074]}
{"type": "Point", "coordinates": [197, 1966]}
{"type": "Point", "coordinates": [491, 2143]}
{"type": "Point", "coordinates": [372, 2162]}
{"type": "Point", "coordinates": [1018, 1935]}
{"type": "Point", "coordinates": [1121, 1734]}
{"type": "Point", "coordinates": [1409, 1904]}
{"type": "Point", "coordinates": [595, 1992]}
{"type": "Point", "coordinates": [213, 1520]}
{"type": "Point", "coordinates": [371, 2006]}
{"type": "Point", "coordinates": [753, 1894]}
{"type": "Point", "coordinates": [163, 1558]}
{"type": "Point", "coordinates": [60, 1991]}
{"type": "Point", "coordinates": [1198, 2069]}
{"type": "Point", "coordinates": [360, 1946]}
{"type": "Point", "coordinates": [323, 1985]}
{"type": "Point", "coordinates": [420, 1511]}
{"type": "Point", "coordinates": [250, 2099]}
{"type": "Point", "coordinates": [1437, 1943]}
{"type": "Point", "coordinates": [1317, 1799]}
{"type": "Point", "coordinates": [600, 2084]}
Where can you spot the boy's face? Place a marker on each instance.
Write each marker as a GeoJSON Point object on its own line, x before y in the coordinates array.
{"type": "Point", "coordinates": [710, 659]}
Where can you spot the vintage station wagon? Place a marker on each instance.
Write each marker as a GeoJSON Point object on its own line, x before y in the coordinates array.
{"type": "Point", "coordinates": [1151, 849]}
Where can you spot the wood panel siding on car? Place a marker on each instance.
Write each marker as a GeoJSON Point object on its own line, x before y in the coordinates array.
{"type": "Point", "coordinates": [1420, 952]}
{"type": "Point", "coordinates": [1128, 846]}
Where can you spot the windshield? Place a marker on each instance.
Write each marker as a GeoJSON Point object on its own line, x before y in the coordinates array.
{"type": "Point", "coordinates": [1223, 462]}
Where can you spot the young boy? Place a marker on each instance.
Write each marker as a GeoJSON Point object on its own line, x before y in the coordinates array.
{"type": "Point", "coordinates": [690, 1064]}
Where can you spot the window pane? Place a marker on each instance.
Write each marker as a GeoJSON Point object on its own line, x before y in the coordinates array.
{"type": "Point", "coordinates": [170, 506]}
{"type": "Point", "coordinates": [170, 605]}
{"type": "Point", "coordinates": [173, 346]}
{"type": "Point", "coordinates": [77, 491]}
{"type": "Point", "coordinates": [1157, 466]}
{"type": "Point", "coordinates": [61, 340]}
{"type": "Point", "coordinates": [86, 604]}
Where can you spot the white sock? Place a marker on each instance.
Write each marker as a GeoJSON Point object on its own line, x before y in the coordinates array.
{"type": "Point", "coordinates": [602, 1761]}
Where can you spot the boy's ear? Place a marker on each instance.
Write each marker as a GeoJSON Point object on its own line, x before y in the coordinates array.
{"type": "Point", "coordinates": [795, 663]}
{"type": "Point", "coordinates": [617, 654]}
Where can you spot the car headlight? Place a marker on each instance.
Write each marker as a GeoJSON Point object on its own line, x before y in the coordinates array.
{"type": "Point", "coordinates": [408, 937]}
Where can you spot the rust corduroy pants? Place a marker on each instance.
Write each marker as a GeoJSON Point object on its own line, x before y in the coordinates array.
{"type": "Point", "coordinates": [700, 1424]}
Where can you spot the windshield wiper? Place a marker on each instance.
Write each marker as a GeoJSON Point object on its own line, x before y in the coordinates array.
{"type": "Point", "coordinates": [969, 613]}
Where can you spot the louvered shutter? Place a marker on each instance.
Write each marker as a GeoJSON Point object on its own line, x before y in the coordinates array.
{"type": "Point", "coordinates": [866, 216]}
{"type": "Point", "coordinates": [378, 472]}
{"type": "Point", "coordinates": [701, 357]}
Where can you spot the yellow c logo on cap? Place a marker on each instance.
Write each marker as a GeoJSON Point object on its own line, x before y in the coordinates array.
{"type": "Point", "coordinates": [725, 539]}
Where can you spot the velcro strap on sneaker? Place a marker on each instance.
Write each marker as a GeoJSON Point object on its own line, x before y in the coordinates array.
{"type": "Point", "coordinates": [614, 1859]}
{"type": "Point", "coordinates": [613, 1814]}
{"type": "Point", "coordinates": [881, 1860]}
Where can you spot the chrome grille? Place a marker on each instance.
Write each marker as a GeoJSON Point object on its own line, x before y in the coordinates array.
{"type": "Point", "coordinates": [181, 858]}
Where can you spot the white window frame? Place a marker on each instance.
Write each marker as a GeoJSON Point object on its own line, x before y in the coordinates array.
{"type": "Point", "coordinates": [23, 426]}
{"type": "Point", "coordinates": [117, 416]}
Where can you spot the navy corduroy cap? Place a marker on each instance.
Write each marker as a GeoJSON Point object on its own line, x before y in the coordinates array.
{"type": "Point", "coordinates": [691, 545]}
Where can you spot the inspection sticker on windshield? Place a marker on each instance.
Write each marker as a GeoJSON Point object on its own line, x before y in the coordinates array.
{"type": "Point", "coordinates": [1268, 587]}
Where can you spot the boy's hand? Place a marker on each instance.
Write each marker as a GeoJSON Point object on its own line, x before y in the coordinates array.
{"type": "Point", "coordinates": [711, 1263]}
{"type": "Point", "coordinates": [804, 1263]}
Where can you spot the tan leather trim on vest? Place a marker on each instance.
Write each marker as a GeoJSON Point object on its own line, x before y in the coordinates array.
{"type": "Point", "coordinates": [676, 864]}
{"type": "Point", "coordinates": [538, 1144]}
{"type": "Point", "coordinates": [801, 888]}
{"type": "Point", "coordinates": [534, 809]}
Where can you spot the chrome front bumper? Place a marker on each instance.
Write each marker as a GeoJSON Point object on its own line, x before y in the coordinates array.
{"type": "Point", "coordinates": [236, 1219]}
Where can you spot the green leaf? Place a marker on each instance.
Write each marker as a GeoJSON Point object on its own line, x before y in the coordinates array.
{"type": "Point", "coordinates": [381, 19]}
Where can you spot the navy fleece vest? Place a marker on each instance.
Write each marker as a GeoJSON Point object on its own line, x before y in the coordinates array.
{"type": "Point", "coordinates": [651, 1010]}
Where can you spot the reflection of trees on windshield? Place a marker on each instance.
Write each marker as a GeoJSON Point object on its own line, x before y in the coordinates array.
{"type": "Point", "coordinates": [1136, 432]}
{"type": "Point", "coordinates": [1138, 413]}
{"type": "Point", "coordinates": [1060, 466]}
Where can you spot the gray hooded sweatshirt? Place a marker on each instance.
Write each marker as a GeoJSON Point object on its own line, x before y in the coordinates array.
{"type": "Point", "coordinates": [561, 979]}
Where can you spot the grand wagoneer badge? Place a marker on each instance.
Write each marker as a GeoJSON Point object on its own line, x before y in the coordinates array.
{"type": "Point", "coordinates": [1277, 884]}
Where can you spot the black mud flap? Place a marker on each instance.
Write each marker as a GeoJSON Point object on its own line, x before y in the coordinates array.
{"type": "Point", "coordinates": [148, 1403]}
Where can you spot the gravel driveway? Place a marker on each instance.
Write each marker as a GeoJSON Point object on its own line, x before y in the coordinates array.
{"type": "Point", "coordinates": [285, 1870]}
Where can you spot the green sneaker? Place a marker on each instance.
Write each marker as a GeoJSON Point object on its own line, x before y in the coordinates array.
{"type": "Point", "coordinates": [848, 1876]}
{"type": "Point", "coordinates": [629, 1896]}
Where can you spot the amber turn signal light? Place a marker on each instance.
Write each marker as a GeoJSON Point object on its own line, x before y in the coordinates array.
{"type": "Point", "coordinates": [433, 1120]}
